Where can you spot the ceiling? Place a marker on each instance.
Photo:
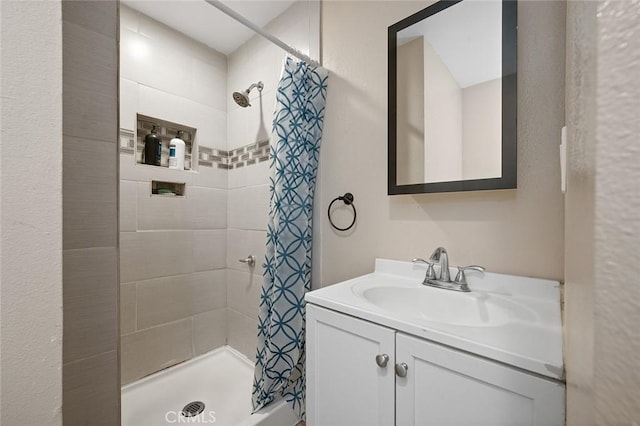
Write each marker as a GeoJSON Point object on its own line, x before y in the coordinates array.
{"type": "Point", "coordinates": [206, 24]}
{"type": "Point", "coordinates": [467, 37]}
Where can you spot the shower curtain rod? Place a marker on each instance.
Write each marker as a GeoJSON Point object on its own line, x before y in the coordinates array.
{"type": "Point", "coordinates": [275, 40]}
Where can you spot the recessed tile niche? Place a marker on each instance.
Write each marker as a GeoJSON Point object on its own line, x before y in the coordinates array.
{"type": "Point", "coordinates": [168, 189]}
{"type": "Point", "coordinates": [167, 130]}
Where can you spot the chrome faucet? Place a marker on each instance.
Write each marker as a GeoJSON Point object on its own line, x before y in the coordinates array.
{"type": "Point", "coordinates": [441, 258]}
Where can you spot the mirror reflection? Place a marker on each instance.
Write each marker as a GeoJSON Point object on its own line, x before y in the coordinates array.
{"type": "Point", "coordinates": [449, 95]}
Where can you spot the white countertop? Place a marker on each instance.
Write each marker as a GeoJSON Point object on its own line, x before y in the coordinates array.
{"type": "Point", "coordinates": [531, 338]}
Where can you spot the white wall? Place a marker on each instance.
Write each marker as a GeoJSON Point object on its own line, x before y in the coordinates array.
{"type": "Point", "coordinates": [602, 299]}
{"type": "Point", "coordinates": [482, 130]}
{"type": "Point", "coordinates": [617, 308]}
{"type": "Point", "coordinates": [580, 212]}
{"type": "Point", "coordinates": [410, 113]}
{"type": "Point", "coordinates": [442, 120]}
{"type": "Point", "coordinates": [31, 247]}
{"type": "Point", "coordinates": [517, 231]}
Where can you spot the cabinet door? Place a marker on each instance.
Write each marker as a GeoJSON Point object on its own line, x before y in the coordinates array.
{"type": "Point", "coordinates": [345, 386]}
{"type": "Point", "coordinates": [444, 386]}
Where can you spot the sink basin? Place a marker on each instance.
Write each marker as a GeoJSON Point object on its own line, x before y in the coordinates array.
{"type": "Point", "coordinates": [444, 306]}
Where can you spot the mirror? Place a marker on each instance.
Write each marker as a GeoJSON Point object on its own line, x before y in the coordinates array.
{"type": "Point", "coordinates": [452, 98]}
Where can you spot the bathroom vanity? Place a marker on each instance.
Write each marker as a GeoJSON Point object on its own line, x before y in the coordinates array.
{"type": "Point", "coordinates": [383, 349]}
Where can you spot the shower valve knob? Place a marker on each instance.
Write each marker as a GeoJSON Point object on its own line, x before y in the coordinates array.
{"type": "Point", "coordinates": [250, 260]}
{"type": "Point", "coordinates": [382, 360]}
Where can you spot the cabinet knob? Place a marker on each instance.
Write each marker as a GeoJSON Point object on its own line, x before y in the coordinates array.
{"type": "Point", "coordinates": [382, 360]}
{"type": "Point", "coordinates": [401, 369]}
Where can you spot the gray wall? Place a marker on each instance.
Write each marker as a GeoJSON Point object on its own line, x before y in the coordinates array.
{"type": "Point", "coordinates": [91, 391]}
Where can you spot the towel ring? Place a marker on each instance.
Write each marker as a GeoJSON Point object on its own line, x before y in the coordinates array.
{"type": "Point", "coordinates": [348, 200]}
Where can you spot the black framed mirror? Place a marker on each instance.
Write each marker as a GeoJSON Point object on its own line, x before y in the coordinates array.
{"type": "Point", "coordinates": [452, 94]}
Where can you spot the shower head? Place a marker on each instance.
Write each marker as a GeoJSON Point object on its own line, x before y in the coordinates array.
{"type": "Point", "coordinates": [242, 98]}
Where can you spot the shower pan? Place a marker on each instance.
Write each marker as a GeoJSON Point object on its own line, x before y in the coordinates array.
{"type": "Point", "coordinates": [211, 389]}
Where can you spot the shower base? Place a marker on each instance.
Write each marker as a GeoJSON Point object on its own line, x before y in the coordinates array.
{"type": "Point", "coordinates": [221, 379]}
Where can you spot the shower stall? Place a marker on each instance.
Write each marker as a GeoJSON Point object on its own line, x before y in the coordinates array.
{"type": "Point", "coordinates": [189, 297]}
{"type": "Point", "coordinates": [216, 386]}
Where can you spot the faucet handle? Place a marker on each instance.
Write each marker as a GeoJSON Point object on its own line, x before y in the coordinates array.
{"type": "Point", "coordinates": [431, 273]}
{"type": "Point", "coordinates": [461, 278]}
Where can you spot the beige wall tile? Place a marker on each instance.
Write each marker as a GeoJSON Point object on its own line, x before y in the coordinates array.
{"type": "Point", "coordinates": [236, 208]}
{"type": "Point", "coordinates": [209, 331]}
{"type": "Point", "coordinates": [90, 15]}
{"type": "Point", "coordinates": [80, 105]}
{"type": "Point", "coordinates": [129, 170]}
{"type": "Point", "coordinates": [248, 207]}
{"type": "Point", "coordinates": [91, 392]}
{"type": "Point", "coordinates": [127, 308]}
{"type": "Point", "coordinates": [258, 174]}
{"type": "Point", "coordinates": [237, 123]}
{"type": "Point", "coordinates": [259, 117]}
{"type": "Point", "coordinates": [237, 178]}
{"type": "Point", "coordinates": [209, 250]}
{"type": "Point", "coordinates": [212, 177]}
{"type": "Point", "coordinates": [128, 104]}
{"type": "Point", "coordinates": [90, 302]}
{"type": "Point", "coordinates": [154, 254]}
{"type": "Point", "coordinates": [243, 292]}
{"type": "Point", "coordinates": [128, 18]}
{"type": "Point", "coordinates": [169, 299]}
{"type": "Point", "coordinates": [257, 205]}
{"type": "Point", "coordinates": [90, 64]}
{"type": "Point", "coordinates": [237, 248]}
{"type": "Point", "coordinates": [128, 205]}
{"type": "Point", "coordinates": [257, 245]}
{"type": "Point", "coordinates": [207, 208]}
{"type": "Point", "coordinates": [158, 213]}
{"type": "Point", "coordinates": [209, 85]}
{"type": "Point", "coordinates": [148, 351]}
{"type": "Point", "coordinates": [89, 193]}
{"type": "Point", "coordinates": [242, 333]}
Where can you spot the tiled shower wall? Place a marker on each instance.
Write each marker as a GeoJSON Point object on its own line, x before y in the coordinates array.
{"type": "Point", "coordinates": [90, 214]}
{"type": "Point", "coordinates": [183, 291]}
{"type": "Point", "coordinates": [173, 249]}
{"type": "Point", "coordinates": [255, 60]}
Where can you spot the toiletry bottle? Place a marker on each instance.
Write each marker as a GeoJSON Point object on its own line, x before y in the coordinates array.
{"type": "Point", "coordinates": [176, 152]}
{"type": "Point", "coordinates": [152, 147]}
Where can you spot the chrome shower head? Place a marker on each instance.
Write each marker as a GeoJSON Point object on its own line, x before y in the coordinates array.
{"type": "Point", "coordinates": [242, 98]}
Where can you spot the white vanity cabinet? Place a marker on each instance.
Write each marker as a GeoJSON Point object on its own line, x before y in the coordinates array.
{"type": "Point", "coordinates": [442, 385]}
{"type": "Point", "coordinates": [345, 386]}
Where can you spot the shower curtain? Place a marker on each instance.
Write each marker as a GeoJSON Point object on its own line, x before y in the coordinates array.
{"type": "Point", "coordinates": [297, 130]}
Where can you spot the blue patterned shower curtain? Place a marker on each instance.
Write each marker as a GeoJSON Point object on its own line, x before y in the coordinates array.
{"type": "Point", "coordinates": [297, 130]}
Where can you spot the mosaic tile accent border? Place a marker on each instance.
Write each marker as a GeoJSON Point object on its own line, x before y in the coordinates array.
{"type": "Point", "coordinates": [127, 142]}
{"type": "Point", "coordinates": [244, 156]}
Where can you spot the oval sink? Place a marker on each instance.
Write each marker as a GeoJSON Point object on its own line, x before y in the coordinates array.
{"type": "Point", "coordinates": [444, 306]}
